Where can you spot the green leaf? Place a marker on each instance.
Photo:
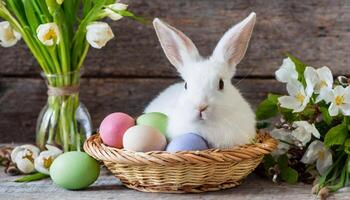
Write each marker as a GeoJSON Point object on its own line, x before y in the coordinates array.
{"type": "Point", "coordinates": [347, 146]}
{"type": "Point", "coordinates": [283, 161]}
{"type": "Point", "coordinates": [32, 177]}
{"type": "Point", "coordinates": [269, 162]}
{"type": "Point", "coordinates": [289, 175]}
{"type": "Point", "coordinates": [325, 114]}
{"type": "Point", "coordinates": [53, 6]}
{"type": "Point", "coordinates": [273, 98]}
{"type": "Point", "coordinates": [108, 2]}
{"type": "Point", "coordinates": [31, 15]}
{"type": "Point", "coordinates": [336, 135]}
{"type": "Point", "coordinates": [288, 115]}
{"type": "Point", "coordinates": [299, 66]}
{"type": "Point", "coordinates": [308, 112]}
{"type": "Point", "coordinates": [126, 13]}
{"type": "Point", "coordinates": [267, 108]}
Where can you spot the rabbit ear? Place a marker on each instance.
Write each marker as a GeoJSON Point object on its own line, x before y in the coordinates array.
{"type": "Point", "coordinates": [233, 45]}
{"type": "Point", "coordinates": [176, 45]}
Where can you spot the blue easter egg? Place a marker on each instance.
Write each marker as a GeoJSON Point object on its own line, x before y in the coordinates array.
{"type": "Point", "coordinates": [187, 142]}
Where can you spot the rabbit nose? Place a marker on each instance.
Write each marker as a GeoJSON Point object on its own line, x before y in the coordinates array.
{"type": "Point", "coordinates": [202, 108]}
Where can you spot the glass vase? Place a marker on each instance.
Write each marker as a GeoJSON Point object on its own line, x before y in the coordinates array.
{"type": "Point", "coordinates": [64, 121]}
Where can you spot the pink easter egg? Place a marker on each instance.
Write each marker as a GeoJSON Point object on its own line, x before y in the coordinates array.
{"type": "Point", "coordinates": [113, 127]}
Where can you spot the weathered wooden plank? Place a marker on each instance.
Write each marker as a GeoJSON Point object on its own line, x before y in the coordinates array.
{"type": "Point", "coordinates": [108, 187]}
{"type": "Point", "coordinates": [22, 99]}
{"type": "Point", "coordinates": [315, 30]}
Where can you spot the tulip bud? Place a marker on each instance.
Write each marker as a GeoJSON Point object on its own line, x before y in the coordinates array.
{"type": "Point", "coordinates": [8, 36]}
{"type": "Point", "coordinates": [23, 156]}
{"type": "Point", "coordinates": [111, 10]}
{"type": "Point", "coordinates": [48, 34]}
{"type": "Point", "coordinates": [43, 162]}
{"type": "Point", "coordinates": [98, 34]}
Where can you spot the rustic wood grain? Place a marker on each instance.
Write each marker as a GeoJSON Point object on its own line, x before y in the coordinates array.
{"type": "Point", "coordinates": [22, 99]}
{"type": "Point", "coordinates": [108, 187]}
{"type": "Point", "coordinates": [315, 30]}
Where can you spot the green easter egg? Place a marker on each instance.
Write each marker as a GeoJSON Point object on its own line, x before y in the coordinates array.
{"type": "Point", "coordinates": [154, 119]}
{"type": "Point", "coordinates": [74, 170]}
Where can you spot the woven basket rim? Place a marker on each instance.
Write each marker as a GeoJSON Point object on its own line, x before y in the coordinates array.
{"type": "Point", "coordinates": [263, 145]}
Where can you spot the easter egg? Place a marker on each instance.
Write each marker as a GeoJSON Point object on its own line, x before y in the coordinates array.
{"type": "Point", "coordinates": [113, 127]}
{"type": "Point", "coordinates": [154, 119]}
{"type": "Point", "coordinates": [143, 138]}
{"type": "Point", "coordinates": [74, 170]}
{"type": "Point", "coordinates": [187, 142]}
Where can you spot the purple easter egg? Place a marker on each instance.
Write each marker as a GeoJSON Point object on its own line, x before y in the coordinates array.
{"type": "Point", "coordinates": [187, 142]}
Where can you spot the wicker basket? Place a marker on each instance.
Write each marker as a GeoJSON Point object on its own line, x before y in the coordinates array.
{"type": "Point", "coordinates": [181, 172]}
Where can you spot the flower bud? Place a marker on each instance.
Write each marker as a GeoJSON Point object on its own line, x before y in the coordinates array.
{"type": "Point", "coordinates": [8, 36]}
{"type": "Point", "coordinates": [48, 34]}
{"type": "Point", "coordinates": [23, 156]}
{"type": "Point", "coordinates": [98, 34]}
{"type": "Point", "coordinates": [111, 10]}
{"type": "Point", "coordinates": [43, 162]}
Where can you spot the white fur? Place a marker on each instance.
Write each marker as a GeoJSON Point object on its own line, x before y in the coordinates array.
{"type": "Point", "coordinates": [229, 119]}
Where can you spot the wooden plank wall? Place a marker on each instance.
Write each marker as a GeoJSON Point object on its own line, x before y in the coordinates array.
{"type": "Point", "coordinates": [132, 69]}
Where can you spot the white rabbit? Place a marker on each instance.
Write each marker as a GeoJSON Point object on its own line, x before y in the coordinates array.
{"type": "Point", "coordinates": [206, 103]}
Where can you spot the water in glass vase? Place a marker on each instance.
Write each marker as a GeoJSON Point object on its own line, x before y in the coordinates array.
{"type": "Point", "coordinates": [64, 121]}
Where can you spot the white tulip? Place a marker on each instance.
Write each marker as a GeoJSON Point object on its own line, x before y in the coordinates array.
{"type": "Point", "coordinates": [48, 34]}
{"type": "Point", "coordinates": [24, 156]}
{"type": "Point", "coordinates": [24, 165]}
{"type": "Point", "coordinates": [8, 36]}
{"type": "Point", "coordinates": [303, 131]}
{"type": "Point", "coordinates": [287, 71]}
{"type": "Point", "coordinates": [316, 152]}
{"type": "Point", "coordinates": [98, 34]}
{"type": "Point", "coordinates": [284, 138]}
{"type": "Point", "coordinates": [111, 10]}
{"type": "Point", "coordinates": [320, 79]}
{"type": "Point", "coordinates": [299, 97]}
{"type": "Point", "coordinates": [43, 162]}
{"type": "Point", "coordinates": [340, 100]}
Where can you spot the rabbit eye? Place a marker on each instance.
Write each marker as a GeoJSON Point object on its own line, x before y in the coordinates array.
{"type": "Point", "coordinates": [185, 85]}
{"type": "Point", "coordinates": [221, 84]}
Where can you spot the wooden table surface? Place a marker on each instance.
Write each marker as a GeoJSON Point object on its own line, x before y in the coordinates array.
{"type": "Point", "coordinates": [108, 187]}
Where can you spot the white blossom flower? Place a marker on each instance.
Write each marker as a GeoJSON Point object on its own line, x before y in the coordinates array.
{"type": "Point", "coordinates": [298, 96]}
{"type": "Point", "coordinates": [326, 94]}
{"type": "Point", "coordinates": [287, 71]}
{"type": "Point", "coordinates": [98, 34]}
{"type": "Point", "coordinates": [340, 100]}
{"type": "Point", "coordinates": [43, 162]}
{"type": "Point", "coordinates": [8, 36]}
{"type": "Point", "coordinates": [316, 152]}
{"type": "Point", "coordinates": [48, 34]}
{"type": "Point", "coordinates": [284, 138]}
{"type": "Point", "coordinates": [24, 156]}
{"type": "Point", "coordinates": [321, 79]}
{"type": "Point", "coordinates": [111, 10]}
{"type": "Point", "coordinates": [303, 131]}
